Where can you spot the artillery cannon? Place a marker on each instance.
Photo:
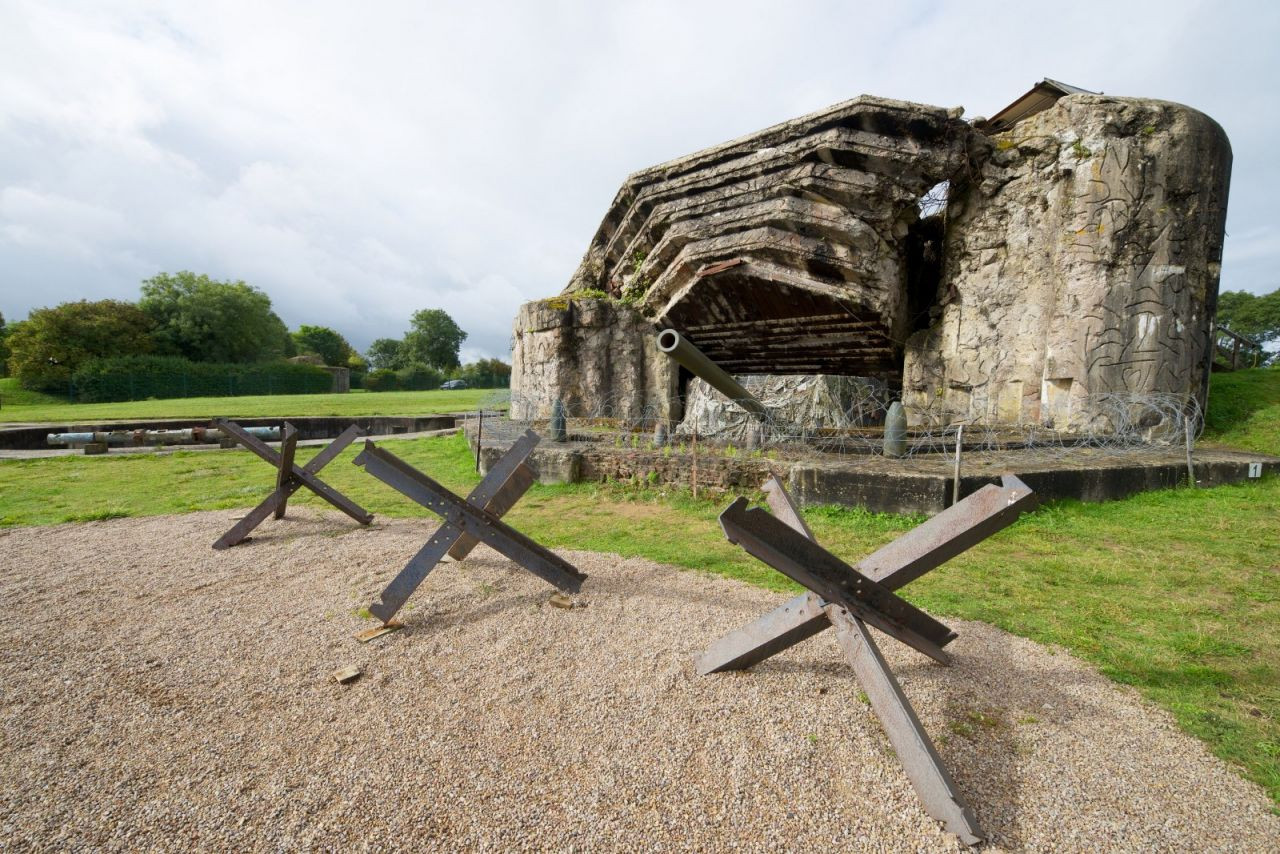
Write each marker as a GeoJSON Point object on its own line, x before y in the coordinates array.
{"type": "Point", "coordinates": [143, 438]}
{"type": "Point", "coordinates": [696, 362]}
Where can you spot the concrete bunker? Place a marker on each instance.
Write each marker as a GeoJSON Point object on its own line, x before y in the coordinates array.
{"type": "Point", "coordinates": [1008, 271]}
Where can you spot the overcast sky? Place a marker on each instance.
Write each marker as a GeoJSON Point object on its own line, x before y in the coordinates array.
{"type": "Point", "coordinates": [359, 161]}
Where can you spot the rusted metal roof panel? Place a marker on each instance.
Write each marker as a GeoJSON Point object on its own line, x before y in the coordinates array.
{"type": "Point", "coordinates": [1041, 97]}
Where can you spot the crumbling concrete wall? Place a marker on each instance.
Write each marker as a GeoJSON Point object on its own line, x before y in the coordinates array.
{"type": "Point", "coordinates": [1080, 257]}
{"type": "Point", "coordinates": [599, 356]}
{"type": "Point", "coordinates": [1083, 259]}
{"type": "Point", "coordinates": [783, 252]}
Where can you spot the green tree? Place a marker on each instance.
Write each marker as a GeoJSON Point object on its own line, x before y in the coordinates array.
{"type": "Point", "coordinates": [485, 373]}
{"type": "Point", "coordinates": [418, 377]}
{"type": "Point", "coordinates": [210, 321]}
{"type": "Point", "coordinates": [434, 339]}
{"type": "Point", "coordinates": [386, 354]}
{"type": "Point", "coordinates": [1251, 315]}
{"type": "Point", "coordinates": [51, 343]}
{"type": "Point", "coordinates": [4, 348]}
{"type": "Point", "coordinates": [325, 343]}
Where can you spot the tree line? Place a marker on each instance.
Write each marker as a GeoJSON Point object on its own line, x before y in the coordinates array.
{"type": "Point", "coordinates": [189, 322]}
{"type": "Point", "coordinates": [1255, 316]}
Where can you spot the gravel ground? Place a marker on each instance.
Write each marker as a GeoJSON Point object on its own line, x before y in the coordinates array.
{"type": "Point", "coordinates": [157, 694]}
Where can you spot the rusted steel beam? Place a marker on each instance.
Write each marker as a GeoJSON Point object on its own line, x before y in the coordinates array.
{"type": "Point", "coordinates": [302, 473]}
{"type": "Point", "coordinates": [790, 623]}
{"type": "Point", "coordinates": [508, 494]}
{"type": "Point", "coordinates": [255, 517]}
{"type": "Point", "coordinates": [284, 474]}
{"type": "Point", "coordinates": [497, 493]}
{"type": "Point", "coordinates": [956, 529]}
{"type": "Point", "coordinates": [465, 517]}
{"type": "Point", "coordinates": [781, 505]}
{"type": "Point", "coordinates": [920, 550]}
{"type": "Point", "coordinates": [807, 614]}
{"type": "Point", "coordinates": [803, 560]}
{"type": "Point", "coordinates": [290, 478]}
{"type": "Point", "coordinates": [924, 767]}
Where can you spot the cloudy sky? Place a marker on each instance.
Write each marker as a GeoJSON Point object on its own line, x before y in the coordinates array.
{"type": "Point", "coordinates": [359, 161]}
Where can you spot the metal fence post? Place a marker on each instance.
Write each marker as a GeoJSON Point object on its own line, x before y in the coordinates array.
{"type": "Point", "coordinates": [955, 486]}
{"type": "Point", "coordinates": [1189, 425]}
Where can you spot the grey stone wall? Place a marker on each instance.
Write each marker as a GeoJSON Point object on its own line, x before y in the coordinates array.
{"type": "Point", "coordinates": [1082, 259]}
{"type": "Point", "coordinates": [599, 356]}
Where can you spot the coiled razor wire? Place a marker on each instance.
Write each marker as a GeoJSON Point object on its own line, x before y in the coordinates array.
{"type": "Point", "coordinates": [1119, 423]}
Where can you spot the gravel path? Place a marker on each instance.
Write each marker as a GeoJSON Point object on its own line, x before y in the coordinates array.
{"type": "Point", "coordinates": [157, 694]}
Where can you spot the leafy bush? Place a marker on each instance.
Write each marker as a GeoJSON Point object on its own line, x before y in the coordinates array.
{"type": "Point", "coordinates": [142, 377]}
{"type": "Point", "coordinates": [486, 373]}
{"type": "Point", "coordinates": [383, 379]}
{"type": "Point", "coordinates": [326, 343]}
{"type": "Point", "coordinates": [209, 321]}
{"type": "Point", "coordinates": [419, 377]}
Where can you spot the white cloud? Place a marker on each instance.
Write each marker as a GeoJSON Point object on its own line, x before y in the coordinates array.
{"type": "Point", "coordinates": [360, 162]}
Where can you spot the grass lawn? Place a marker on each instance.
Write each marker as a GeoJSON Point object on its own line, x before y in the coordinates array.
{"type": "Point", "coordinates": [20, 405]}
{"type": "Point", "coordinates": [1244, 410]}
{"type": "Point", "coordinates": [1176, 593]}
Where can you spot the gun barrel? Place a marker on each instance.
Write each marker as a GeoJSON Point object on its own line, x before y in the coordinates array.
{"type": "Point", "coordinates": [190, 436]}
{"type": "Point", "coordinates": [678, 347]}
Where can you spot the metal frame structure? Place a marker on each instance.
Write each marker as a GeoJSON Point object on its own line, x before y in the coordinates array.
{"type": "Point", "coordinates": [849, 598]}
{"type": "Point", "coordinates": [289, 478]}
{"type": "Point", "coordinates": [477, 519]}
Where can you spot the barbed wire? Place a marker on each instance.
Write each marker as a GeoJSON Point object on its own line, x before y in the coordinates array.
{"type": "Point", "coordinates": [1116, 423]}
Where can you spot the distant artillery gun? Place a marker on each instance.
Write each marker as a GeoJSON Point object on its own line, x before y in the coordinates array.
{"type": "Point", "coordinates": [100, 440]}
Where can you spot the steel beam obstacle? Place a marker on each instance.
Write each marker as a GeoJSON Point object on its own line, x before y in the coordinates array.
{"type": "Point", "coordinates": [849, 599]}
{"type": "Point", "coordinates": [289, 478]}
{"type": "Point", "coordinates": [477, 519]}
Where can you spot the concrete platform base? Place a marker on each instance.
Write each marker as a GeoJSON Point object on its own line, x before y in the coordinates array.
{"type": "Point", "coordinates": [920, 484]}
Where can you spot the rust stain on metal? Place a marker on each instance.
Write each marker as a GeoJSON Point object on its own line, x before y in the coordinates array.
{"type": "Point", "coordinates": [719, 267]}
